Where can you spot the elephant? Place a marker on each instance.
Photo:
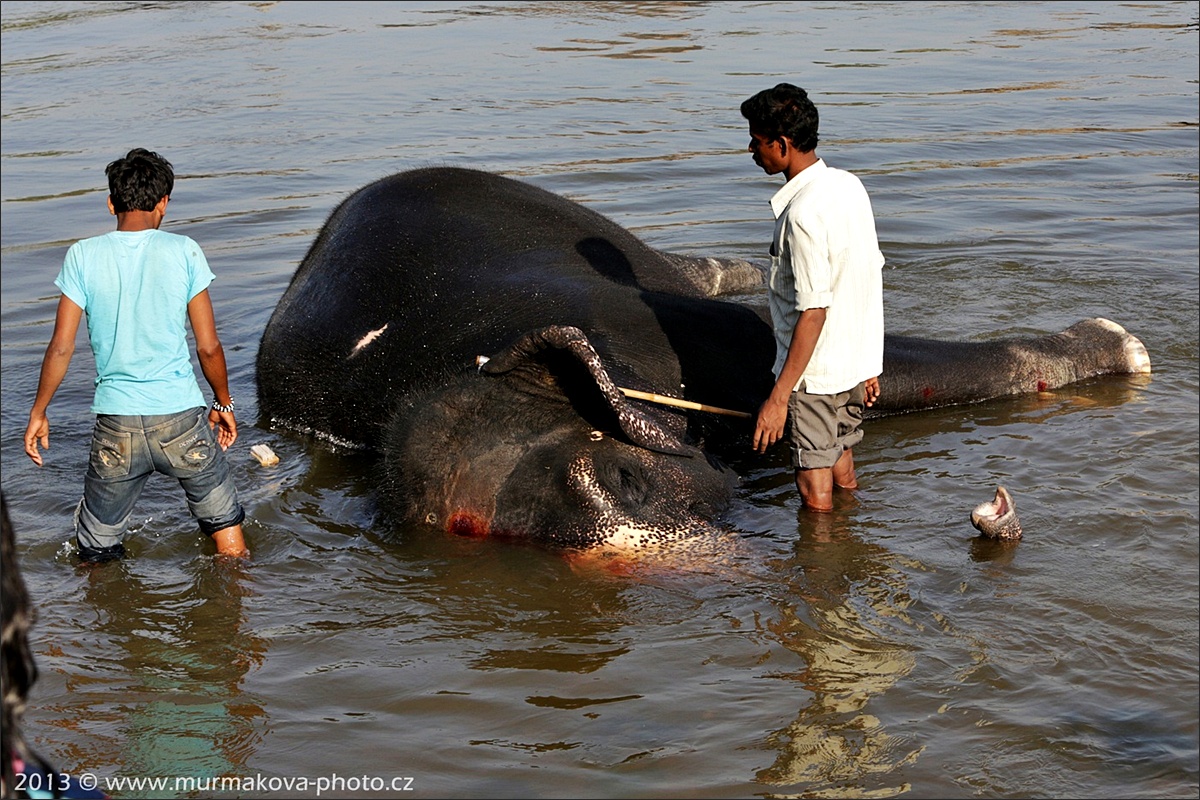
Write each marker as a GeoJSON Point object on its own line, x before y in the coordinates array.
{"type": "Point", "coordinates": [997, 518]}
{"type": "Point", "coordinates": [484, 337]}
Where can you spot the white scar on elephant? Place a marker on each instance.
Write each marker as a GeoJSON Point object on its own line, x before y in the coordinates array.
{"type": "Point", "coordinates": [366, 340]}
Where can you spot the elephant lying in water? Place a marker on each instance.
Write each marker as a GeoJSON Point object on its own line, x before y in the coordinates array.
{"type": "Point", "coordinates": [376, 342]}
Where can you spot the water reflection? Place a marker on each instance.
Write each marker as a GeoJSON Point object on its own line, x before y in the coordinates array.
{"type": "Point", "coordinates": [846, 594]}
{"type": "Point", "coordinates": [999, 552]}
{"type": "Point", "coordinates": [1109, 391]}
{"type": "Point", "coordinates": [162, 669]}
{"type": "Point", "coordinates": [1069, 671]}
{"type": "Point", "coordinates": [547, 617]}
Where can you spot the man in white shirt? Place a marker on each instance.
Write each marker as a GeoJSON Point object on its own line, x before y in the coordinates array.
{"type": "Point", "coordinates": [825, 294]}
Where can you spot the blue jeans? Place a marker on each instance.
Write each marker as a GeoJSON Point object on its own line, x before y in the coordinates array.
{"type": "Point", "coordinates": [126, 450]}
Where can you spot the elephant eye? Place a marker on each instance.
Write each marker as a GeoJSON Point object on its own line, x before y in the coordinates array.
{"type": "Point", "coordinates": [627, 483]}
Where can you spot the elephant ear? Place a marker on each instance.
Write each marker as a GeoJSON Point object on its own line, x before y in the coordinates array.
{"type": "Point", "coordinates": [546, 355]}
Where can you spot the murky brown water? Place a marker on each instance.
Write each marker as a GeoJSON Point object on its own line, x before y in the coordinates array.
{"type": "Point", "coordinates": [1031, 165]}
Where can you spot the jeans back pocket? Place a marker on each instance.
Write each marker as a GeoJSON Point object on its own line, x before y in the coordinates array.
{"type": "Point", "coordinates": [194, 451]}
{"type": "Point", "coordinates": [112, 452]}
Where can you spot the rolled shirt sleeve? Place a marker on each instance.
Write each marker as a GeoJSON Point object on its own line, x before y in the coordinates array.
{"type": "Point", "coordinates": [809, 248]}
{"type": "Point", "coordinates": [825, 254]}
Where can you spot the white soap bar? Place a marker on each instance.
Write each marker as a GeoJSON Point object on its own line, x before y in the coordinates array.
{"type": "Point", "coordinates": [265, 455]}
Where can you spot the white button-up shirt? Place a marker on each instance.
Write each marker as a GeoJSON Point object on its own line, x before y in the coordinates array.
{"type": "Point", "coordinates": [825, 254]}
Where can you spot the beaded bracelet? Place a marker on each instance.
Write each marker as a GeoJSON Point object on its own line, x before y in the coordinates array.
{"type": "Point", "coordinates": [226, 408]}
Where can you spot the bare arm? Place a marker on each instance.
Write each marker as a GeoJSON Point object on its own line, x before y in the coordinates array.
{"type": "Point", "coordinates": [212, 364]}
{"type": "Point", "coordinates": [54, 369]}
{"type": "Point", "coordinates": [772, 416]}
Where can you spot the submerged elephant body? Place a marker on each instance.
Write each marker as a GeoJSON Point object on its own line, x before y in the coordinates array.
{"type": "Point", "coordinates": [378, 338]}
{"type": "Point", "coordinates": [924, 373]}
{"type": "Point", "coordinates": [376, 341]}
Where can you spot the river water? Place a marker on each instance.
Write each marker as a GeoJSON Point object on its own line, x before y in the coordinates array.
{"type": "Point", "coordinates": [1030, 164]}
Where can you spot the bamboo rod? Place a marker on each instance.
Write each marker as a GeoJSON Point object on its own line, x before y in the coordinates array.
{"type": "Point", "coordinates": [675, 401]}
{"type": "Point", "coordinates": [662, 399]}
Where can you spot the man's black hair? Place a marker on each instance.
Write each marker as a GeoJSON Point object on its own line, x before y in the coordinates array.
{"type": "Point", "coordinates": [139, 180]}
{"type": "Point", "coordinates": [784, 110]}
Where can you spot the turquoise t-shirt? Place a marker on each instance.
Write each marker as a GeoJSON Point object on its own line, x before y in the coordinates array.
{"type": "Point", "coordinates": [134, 287]}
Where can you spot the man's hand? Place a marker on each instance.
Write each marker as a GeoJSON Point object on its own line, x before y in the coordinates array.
{"type": "Point", "coordinates": [871, 391]}
{"type": "Point", "coordinates": [225, 426]}
{"type": "Point", "coordinates": [39, 429]}
{"type": "Point", "coordinates": [768, 427]}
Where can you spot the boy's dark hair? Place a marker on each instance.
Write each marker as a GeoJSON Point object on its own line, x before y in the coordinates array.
{"type": "Point", "coordinates": [139, 180]}
{"type": "Point", "coordinates": [784, 110]}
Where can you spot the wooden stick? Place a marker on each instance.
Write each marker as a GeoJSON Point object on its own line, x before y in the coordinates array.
{"type": "Point", "coordinates": [661, 399]}
{"type": "Point", "coordinates": [675, 401]}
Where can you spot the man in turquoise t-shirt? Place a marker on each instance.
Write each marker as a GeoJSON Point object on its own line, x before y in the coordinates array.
{"type": "Point", "coordinates": [139, 286]}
